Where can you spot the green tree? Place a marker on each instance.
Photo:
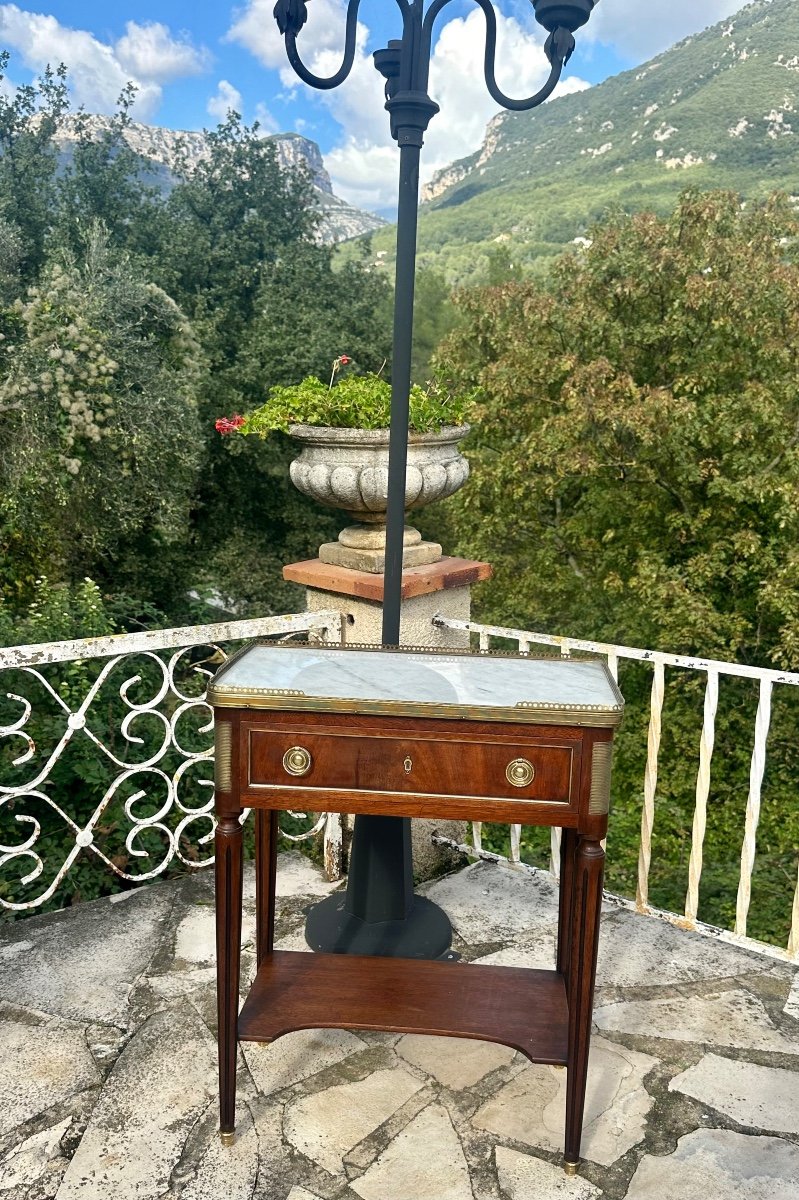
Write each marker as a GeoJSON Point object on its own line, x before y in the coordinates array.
{"type": "Point", "coordinates": [238, 252]}
{"type": "Point", "coordinates": [501, 267]}
{"type": "Point", "coordinates": [103, 179]}
{"type": "Point", "coordinates": [307, 314]}
{"type": "Point", "coordinates": [234, 246]}
{"type": "Point", "coordinates": [224, 224]}
{"type": "Point", "coordinates": [255, 521]}
{"type": "Point", "coordinates": [99, 440]}
{"type": "Point", "coordinates": [638, 434]}
{"type": "Point", "coordinates": [434, 317]}
{"type": "Point", "coordinates": [635, 479]}
{"type": "Point", "coordinates": [29, 116]}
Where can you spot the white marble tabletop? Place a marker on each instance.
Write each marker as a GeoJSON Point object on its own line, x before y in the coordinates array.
{"type": "Point", "coordinates": [406, 677]}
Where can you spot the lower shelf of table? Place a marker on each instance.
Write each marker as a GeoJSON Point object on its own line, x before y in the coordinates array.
{"type": "Point", "coordinates": [526, 1009]}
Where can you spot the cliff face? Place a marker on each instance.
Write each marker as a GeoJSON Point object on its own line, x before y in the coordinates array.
{"type": "Point", "coordinates": [449, 177]}
{"type": "Point", "coordinates": [718, 110]}
{"type": "Point", "coordinates": [167, 149]}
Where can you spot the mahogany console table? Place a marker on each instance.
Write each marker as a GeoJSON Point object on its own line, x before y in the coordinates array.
{"type": "Point", "coordinates": [476, 737]}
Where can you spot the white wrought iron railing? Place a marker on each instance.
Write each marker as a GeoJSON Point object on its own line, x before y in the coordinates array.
{"type": "Point", "coordinates": [175, 696]}
{"type": "Point", "coordinates": [711, 670]}
{"type": "Point", "coordinates": [130, 735]}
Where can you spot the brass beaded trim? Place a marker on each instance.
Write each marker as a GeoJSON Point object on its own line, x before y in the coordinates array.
{"type": "Point", "coordinates": [599, 801]}
{"type": "Point", "coordinates": [223, 756]}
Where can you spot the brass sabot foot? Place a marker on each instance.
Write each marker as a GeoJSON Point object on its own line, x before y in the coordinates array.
{"type": "Point", "coordinates": [227, 1138]}
{"type": "Point", "coordinates": [571, 1168]}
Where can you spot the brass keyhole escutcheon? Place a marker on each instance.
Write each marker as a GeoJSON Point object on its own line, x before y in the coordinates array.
{"type": "Point", "coordinates": [520, 772]}
{"type": "Point", "coordinates": [297, 760]}
{"type": "Point", "coordinates": [408, 765]}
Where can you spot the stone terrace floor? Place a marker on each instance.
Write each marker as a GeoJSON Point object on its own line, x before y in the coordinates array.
{"type": "Point", "coordinates": [108, 1072]}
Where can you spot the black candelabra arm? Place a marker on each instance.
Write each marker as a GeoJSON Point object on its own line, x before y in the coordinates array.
{"type": "Point", "coordinates": [558, 49]}
{"type": "Point", "coordinates": [291, 15]}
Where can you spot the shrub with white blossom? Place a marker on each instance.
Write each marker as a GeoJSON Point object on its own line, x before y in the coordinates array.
{"type": "Point", "coordinates": [99, 443]}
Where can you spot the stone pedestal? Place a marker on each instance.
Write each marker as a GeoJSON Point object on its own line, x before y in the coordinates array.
{"type": "Point", "coordinates": [441, 587]}
{"type": "Point", "coordinates": [363, 548]}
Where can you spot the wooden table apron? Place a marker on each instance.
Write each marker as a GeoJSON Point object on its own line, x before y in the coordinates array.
{"type": "Point", "coordinates": [451, 769]}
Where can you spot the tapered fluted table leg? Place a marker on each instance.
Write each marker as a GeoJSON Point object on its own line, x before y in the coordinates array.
{"type": "Point", "coordinates": [568, 848]}
{"type": "Point", "coordinates": [265, 872]}
{"type": "Point", "coordinates": [589, 863]}
{"type": "Point", "coordinates": [228, 960]}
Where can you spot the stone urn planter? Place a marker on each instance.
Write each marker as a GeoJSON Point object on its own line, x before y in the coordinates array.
{"type": "Point", "coordinates": [348, 469]}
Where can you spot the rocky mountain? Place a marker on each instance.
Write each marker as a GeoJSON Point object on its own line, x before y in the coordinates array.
{"type": "Point", "coordinates": [162, 149]}
{"type": "Point", "coordinates": [718, 110]}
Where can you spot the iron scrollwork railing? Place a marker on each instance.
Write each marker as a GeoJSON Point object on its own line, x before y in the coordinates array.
{"type": "Point", "coordinates": [107, 750]}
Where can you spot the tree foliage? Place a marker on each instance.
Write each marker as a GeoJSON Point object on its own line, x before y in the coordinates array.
{"type": "Point", "coordinates": [635, 479]}
{"type": "Point", "coordinates": [113, 372]}
{"type": "Point", "coordinates": [100, 440]}
{"type": "Point", "coordinates": [638, 434]}
{"type": "Point", "coordinates": [237, 250]}
{"type": "Point", "coordinates": [101, 179]}
{"type": "Point", "coordinates": [29, 117]}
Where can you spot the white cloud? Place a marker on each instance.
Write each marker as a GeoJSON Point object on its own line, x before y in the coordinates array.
{"type": "Point", "coordinates": [227, 98]}
{"type": "Point", "coordinates": [255, 28]}
{"type": "Point", "coordinates": [638, 36]}
{"type": "Point", "coordinates": [457, 83]}
{"type": "Point", "coordinates": [266, 121]}
{"type": "Point", "coordinates": [146, 55]}
{"type": "Point", "coordinates": [364, 164]}
{"type": "Point", "coordinates": [150, 52]}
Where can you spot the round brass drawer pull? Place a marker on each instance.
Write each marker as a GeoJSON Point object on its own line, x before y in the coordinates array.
{"type": "Point", "coordinates": [520, 772]}
{"type": "Point", "coordinates": [297, 760]}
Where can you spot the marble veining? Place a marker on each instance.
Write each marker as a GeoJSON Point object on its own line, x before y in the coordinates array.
{"type": "Point", "coordinates": [413, 678]}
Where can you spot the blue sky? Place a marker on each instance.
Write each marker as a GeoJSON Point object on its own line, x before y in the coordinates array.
{"type": "Point", "coordinates": [191, 61]}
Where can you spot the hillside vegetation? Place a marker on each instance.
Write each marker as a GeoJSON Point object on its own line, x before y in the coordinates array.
{"type": "Point", "coordinates": [718, 110]}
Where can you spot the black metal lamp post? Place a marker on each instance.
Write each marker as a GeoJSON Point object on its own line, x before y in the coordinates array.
{"type": "Point", "coordinates": [380, 914]}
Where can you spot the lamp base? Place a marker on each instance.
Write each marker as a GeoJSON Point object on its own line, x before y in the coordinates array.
{"type": "Point", "coordinates": [425, 932]}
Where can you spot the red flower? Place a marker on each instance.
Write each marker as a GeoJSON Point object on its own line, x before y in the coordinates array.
{"type": "Point", "coordinates": [227, 425]}
{"type": "Point", "coordinates": [344, 359]}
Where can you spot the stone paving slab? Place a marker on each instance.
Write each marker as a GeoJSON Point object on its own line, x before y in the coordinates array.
{"type": "Point", "coordinates": [297, 1056]}
{"type": "Point", "coordinates": [325, 1125]}
{"type": "Point", "coordinates": [108, 1068]}
{"type": "Point", "coordinates": [733, 1018]}
{"type": "Point", "coordinates": [32, 1159]}
{"type": "Point", "coordinates": [456, 1062]}
{"type": "Point", "coordinates": [497, 903]}
{"type": "Point", "coordinates": [222, 1171]}
{"type": "Point", "coordinates": [426, 1159]}
{"type": "Point", "coordinates": [636, 951]}
{"type": "Point", "coordinates": [522, 1177]}
{"type": "Point", "coordinates": [712, 1163]}
{"type": "Point", "coordinates": [41, 1066]}
{"type": "Point", "coordinates": [760, 1097]}
{"type": "Point", "coordinates": [84, 963]}
{"type": "Point", "coordinates": [163, 1081]}
{"type": "Point", "coordinates": [532, 1107]}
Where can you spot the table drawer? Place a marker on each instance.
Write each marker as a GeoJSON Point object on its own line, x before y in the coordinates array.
{"type": "Point", "coordinates": [481, 768]}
